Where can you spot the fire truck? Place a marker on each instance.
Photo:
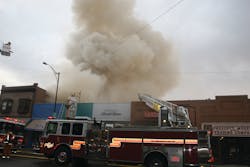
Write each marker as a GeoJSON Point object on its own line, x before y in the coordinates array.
{"type": "Point", "coordinates": [174, 143]}
{"type": "Point", "coordinates": [16, 126]}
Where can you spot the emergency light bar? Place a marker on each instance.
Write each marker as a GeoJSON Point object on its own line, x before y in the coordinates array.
{"type": "Point", "coordinates": [51, 117]}
{"type": "Point", "coordinates": [13, 120]}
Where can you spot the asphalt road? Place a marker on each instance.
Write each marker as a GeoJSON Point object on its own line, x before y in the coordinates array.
{"type": "Point", "coordinates": [29, 161]}
{"type": "Point", "coordinates": [25, 162]}
{"type": "Point", "coordinates": [35, 161]}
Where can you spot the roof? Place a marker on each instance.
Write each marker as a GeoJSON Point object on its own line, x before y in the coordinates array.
{"type": "Point", "coordinates": [29, 88]}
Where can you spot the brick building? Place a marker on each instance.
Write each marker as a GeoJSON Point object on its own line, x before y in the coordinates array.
{"type": "Point", "coordinates": [18, 101]}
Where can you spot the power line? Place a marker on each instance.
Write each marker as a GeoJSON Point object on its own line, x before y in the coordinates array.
{"type": "Point", "coordinates": [150, 23]}
{"type": "Point", "coordinates": [161, 15]}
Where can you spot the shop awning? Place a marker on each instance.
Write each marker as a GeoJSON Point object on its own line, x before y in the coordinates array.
{"type": "Point", "coordinates": [36, 125]}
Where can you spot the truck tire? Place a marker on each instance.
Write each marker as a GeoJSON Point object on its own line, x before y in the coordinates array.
{"type": "Point", "coordinates": [156, 161]}
{"type": "Point", "coordinates": [62, 156]}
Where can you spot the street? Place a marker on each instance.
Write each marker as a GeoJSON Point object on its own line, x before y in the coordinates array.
{"type": "Point", "coordinates": [36, 161]}
{"type": "Point", "coordinates": [25, 162]}
{"type": "Point", "coordinates": [29, 161]}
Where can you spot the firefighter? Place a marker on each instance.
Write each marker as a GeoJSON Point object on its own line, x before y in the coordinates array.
{"type": "Point", "coordinates": [7, 144]}
{"type": "Point", "coordinates": [72, 107]}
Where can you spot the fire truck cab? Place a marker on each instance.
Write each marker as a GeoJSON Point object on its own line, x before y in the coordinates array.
{"type": "Point", "coordinates": [16, 126]}
{"type": "Point", "coordinates": [66, 139]}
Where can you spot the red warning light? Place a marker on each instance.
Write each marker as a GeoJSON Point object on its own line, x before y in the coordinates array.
{"type": "Point", "coordinates": [14, 120]}
{"type": "Point", "coordinates": [7, 118]}
{"type": "Point", "coordinates": [175, 159]}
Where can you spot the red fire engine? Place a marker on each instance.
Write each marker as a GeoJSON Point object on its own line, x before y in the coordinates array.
{"type": "Point", "coordinates": [173, 143]}
{"type": "Point", "coordinates": [16, 126]}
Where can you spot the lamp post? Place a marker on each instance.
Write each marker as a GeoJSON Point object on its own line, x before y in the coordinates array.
{"type": "Point", "coordinates": [57, 75]}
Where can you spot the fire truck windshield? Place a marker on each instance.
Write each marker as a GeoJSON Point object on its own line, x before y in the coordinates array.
{"type": "Point", "coordinates": [14, 128]}
{"type": "Point", "coordinates": [51, 128]}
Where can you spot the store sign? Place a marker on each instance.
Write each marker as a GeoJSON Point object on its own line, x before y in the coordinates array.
{"type": "Point", "coordinates": [111, 112]}
{"type": "Point", "coordinates": [237, 131]}
{"type": "Point", "coordinates": [229, 129]}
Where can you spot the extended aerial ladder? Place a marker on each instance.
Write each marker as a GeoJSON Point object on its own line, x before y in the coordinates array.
{"type": "Point", "coordinates": [6, 49]}
{"type": "Point", "coordinates": [170, 115]}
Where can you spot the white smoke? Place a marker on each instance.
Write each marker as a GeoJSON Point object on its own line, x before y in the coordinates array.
{"type": "Point", "coordinates": [116, 57]}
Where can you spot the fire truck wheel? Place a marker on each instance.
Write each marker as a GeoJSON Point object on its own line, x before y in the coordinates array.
{"type": "Point", "coordinates": [156, 161]}
{"type": "Point", "coordinates": [62, 156]}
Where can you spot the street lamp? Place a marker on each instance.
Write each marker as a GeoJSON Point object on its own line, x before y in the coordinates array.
{"type": "Point", "coordinates": [57, 75]}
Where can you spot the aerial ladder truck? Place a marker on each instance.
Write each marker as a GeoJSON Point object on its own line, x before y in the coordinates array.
{"type": "Point", "coordinates": [170, 114]}
{"type": "Point", "coordinates": [174, 143]}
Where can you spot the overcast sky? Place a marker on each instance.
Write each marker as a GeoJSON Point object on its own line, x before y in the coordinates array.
{"type": "Point", "coordinates": [210, 38]}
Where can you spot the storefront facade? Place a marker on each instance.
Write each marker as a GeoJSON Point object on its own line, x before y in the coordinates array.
{"type": "Point", "coordinates": [230, 141]}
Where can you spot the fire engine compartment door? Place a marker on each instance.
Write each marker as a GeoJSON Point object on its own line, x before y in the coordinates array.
{"type": "Point", "coordinates": [175, 156]}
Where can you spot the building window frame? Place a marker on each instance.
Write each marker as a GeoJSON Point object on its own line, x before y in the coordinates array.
{"type": "Point", "coordinates": [6, 106]}
{"type": "Point", "coordinates": [24, 106]}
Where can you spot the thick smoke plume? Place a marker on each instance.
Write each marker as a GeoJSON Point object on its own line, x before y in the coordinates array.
{"type": "Point", "coordinates": [116, 54]}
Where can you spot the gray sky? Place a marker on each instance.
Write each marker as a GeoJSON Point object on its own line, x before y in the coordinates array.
{"type": "Point", "coordinates": [210, 38]}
